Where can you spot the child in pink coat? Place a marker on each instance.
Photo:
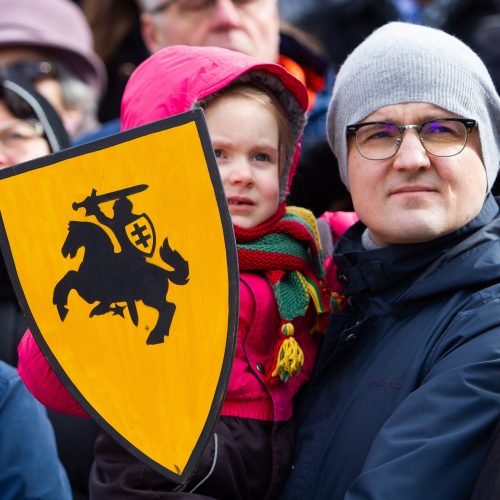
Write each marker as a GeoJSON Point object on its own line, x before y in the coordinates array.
{"type": "Point", "coordinates": [255, 114]}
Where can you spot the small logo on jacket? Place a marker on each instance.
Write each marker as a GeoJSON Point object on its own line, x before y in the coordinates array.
{"type": "Point", "coordinates": [384, 383]}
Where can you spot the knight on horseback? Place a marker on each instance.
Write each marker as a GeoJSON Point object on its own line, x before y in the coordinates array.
{"type": "Point", "coordinates": [123, 276]}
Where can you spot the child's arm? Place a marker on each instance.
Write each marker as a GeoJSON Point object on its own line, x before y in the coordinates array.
{"type": "Point", "coordinates": [42, 381]}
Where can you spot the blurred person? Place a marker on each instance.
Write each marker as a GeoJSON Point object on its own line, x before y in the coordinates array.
{"type": "Point", "coordinates": [406, 395]}
{"type": "Point", "coordinates": [250, 26]}
{"type": "Point", "coordinates": [117, 40]}
{"type": "Point", "coordinates": [29, 128]}
{"type": "Point", "coordinates": [342, 24]}
{"type": "Point", "coordinates": [50, 44]}
{"type": "Point", "coordinates": [29, 465]}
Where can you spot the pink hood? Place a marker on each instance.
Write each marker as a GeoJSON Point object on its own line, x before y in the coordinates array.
{"type": "Point", "coordinates": [174, 79]}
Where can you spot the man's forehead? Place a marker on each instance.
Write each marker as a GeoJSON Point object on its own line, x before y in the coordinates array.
{"type": "Point", "coordinates": [414, 111]}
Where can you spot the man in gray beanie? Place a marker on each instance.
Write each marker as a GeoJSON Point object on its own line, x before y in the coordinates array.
{"type": "Point", "coordinates": [406, 394]}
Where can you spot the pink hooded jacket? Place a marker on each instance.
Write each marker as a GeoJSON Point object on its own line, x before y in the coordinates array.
{"type": "Point", "coordinates": [171, 82]}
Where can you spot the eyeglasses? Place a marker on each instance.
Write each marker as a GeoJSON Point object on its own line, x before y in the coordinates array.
{"type": "Point", "coordinates": [32, 71]}
{"type": "Point", "coordinates": [439, 137]}
{"type": "Point", "coordinates": [16, 136]}
{"type": "Point", "coordinates": [195, 6]}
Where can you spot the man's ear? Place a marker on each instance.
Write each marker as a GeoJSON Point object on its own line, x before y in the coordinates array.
{"type": "Point", "coordinates": [150, 32]}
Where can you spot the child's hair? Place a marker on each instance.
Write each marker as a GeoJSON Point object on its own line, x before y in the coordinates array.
{"type": "Point", "coordinates": [262, 96]}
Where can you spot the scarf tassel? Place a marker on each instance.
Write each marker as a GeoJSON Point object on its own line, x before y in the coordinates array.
{"type": "Point", "coordinates": [290, 357]}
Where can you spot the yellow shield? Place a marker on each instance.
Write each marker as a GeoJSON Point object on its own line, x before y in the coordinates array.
{"type": "Point", "coordinates": [142, 339]}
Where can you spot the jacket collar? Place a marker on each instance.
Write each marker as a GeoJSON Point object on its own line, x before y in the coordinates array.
{"type": "Point", "coordinates": [373, 271]}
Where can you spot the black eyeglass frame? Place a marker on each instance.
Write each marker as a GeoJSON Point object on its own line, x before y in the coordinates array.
{"type": "Point", "coordinates": [469, 124]}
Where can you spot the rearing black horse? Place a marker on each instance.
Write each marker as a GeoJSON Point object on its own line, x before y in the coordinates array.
{"type": "Point", "coordinates": [109, 277]}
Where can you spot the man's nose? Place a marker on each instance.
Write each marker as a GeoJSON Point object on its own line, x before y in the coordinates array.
{"type": "Point", "coordinates": [411, 154]}
{"type": "Point", "coordinates": [225, 14]}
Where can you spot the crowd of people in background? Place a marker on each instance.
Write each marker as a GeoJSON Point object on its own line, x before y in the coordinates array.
{"type": "Point", "coordinates": [64, 67]}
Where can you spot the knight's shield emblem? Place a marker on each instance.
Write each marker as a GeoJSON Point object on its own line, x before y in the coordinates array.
{"type": "Point", "coordinates": [130, 289]}
{"type": "Point", "coordinates": [141, 234]}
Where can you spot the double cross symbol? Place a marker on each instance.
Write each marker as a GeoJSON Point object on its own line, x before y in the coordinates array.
{"type": "Point", "coordinates": [142, 239]}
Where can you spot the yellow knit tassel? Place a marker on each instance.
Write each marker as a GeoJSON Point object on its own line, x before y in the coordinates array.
{"type": "Point", "coordinates": [290, 355]}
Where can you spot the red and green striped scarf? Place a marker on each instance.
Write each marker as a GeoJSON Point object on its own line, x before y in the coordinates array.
{"type": "Point", "coordinates": [287, 250]}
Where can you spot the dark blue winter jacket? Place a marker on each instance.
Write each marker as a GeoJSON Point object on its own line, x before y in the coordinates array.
{"type": "Point", "coordinates": [407, 388]}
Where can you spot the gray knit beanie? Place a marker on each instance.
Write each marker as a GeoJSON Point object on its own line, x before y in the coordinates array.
{"type": "Point", "coordinates": [402, 62]}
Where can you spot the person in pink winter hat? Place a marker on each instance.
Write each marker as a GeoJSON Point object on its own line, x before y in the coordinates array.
{"type": "Point", "coordinates": [255, 113]}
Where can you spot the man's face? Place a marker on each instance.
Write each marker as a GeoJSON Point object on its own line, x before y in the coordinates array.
{"type": "Point", "coordinates": [413, 196]}
{"type": "Point", "coordinates": [248, 26]}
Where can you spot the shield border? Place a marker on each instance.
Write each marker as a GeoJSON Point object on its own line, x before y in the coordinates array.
{"type": "Point", "coordinates": [196, 116]}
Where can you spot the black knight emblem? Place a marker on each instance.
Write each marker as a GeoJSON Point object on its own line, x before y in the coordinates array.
{"type": "Point", "coordinates": [112, 279]}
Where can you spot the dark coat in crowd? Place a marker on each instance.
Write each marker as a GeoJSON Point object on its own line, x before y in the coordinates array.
{"type": "Point", "coordinates": [406, 393]}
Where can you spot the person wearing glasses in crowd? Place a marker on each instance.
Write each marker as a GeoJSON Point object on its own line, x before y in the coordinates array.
{"type": "Point", "coordinates": [49, 44]}
{"type": "Point", "coordinates": [29, 128]}
{"type": "Point", "coordinates": [248, 26]}
{"type": "Point", "coordinates": [406, 392]}
{"type": "Point", "coordinates": [29, 463]}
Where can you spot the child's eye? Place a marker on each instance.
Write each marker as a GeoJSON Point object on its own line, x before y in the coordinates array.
{"type": "Point", "coordinates": [219, 153]}
{"type": "Point", "coordinates": [262, 157]}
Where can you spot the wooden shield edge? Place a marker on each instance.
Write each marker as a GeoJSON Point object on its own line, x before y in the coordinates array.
{"type": "Point", "coordinates": [197, 116]}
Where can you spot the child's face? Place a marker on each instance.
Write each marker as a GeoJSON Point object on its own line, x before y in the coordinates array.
{"type": "Point", "coordinates": [245, 138]}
